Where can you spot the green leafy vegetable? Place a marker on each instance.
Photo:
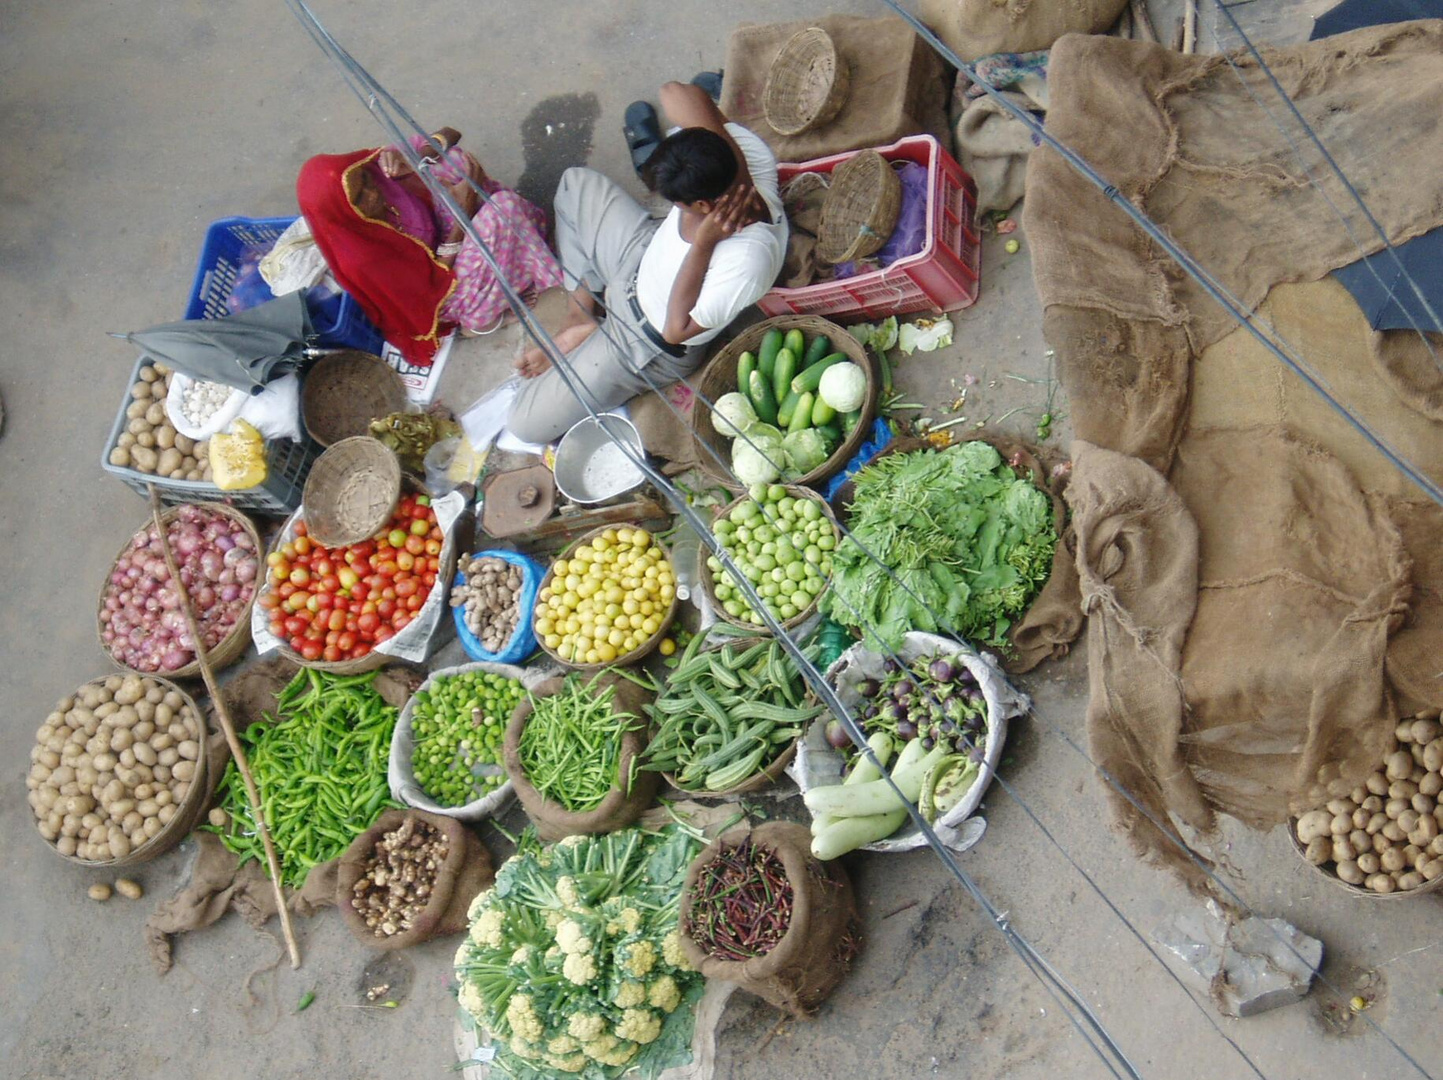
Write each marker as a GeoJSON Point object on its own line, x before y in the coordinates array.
{"type": "Point", "coordinates": [971, 541]}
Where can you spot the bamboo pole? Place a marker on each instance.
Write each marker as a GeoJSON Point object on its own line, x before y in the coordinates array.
{"type": "Point", "coordinates": [1189, 27]}
{"type": "Point", "coordinates": [223, 714]}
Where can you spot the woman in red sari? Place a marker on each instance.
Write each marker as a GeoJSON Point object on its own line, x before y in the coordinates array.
{"type": "Point", "coordinates": [405, 258]}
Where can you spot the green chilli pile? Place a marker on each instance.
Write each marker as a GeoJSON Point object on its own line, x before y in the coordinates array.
{"type": "Point", "coordinates": [574, 964]}
{"type": "Point", "coordinates": [320, 769]}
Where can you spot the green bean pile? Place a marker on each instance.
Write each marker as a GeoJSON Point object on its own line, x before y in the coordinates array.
{"type": "Point", "coordinates": [320, 769]}
{"type": "Point", "coordinates": [570, 748]}
{"type": "Point", "coordinates": [726, 714]}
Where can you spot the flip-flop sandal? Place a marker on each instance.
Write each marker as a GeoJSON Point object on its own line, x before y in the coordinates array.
{"type": "Point", "coordinates": [711, 82]}
{"type": "Point", "coordinates": [642, 131]}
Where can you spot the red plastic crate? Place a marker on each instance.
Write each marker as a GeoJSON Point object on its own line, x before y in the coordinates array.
{"type": "Point", "coordinates": [943, 276]}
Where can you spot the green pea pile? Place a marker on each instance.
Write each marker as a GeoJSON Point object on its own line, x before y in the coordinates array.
{"type": "Point", "coordinates": [783, 542]}
{"type": "Point", "coordinates": [458, 724]}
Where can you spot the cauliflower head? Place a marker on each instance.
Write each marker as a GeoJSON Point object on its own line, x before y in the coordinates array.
{"type": "Point", "coordinates": [627, 921]}
{"type": "Point", "coordinates": [630, 993]}
{"type": "Point", "coordinates": [470, 1000]}
{"type": "Point", "coordinates": [522, 955]}
{"type": "Point", "coordinates": [579, 968]}
{"type": "Point", "coordinates": [664, 994]}
{"type": "Point", "coordinates": [637, 959]}
{"type": "Point", "coordinates": [586, 1027]}
{"type": "Point", "coordinates": [487, 929]}
{"type": "Point", "coordinates": [479, 904]}
{"type": "Point", "coordinates": [639, 1025]}
{"type": "Point", "coordinates": [523, 1049]}
{"type": "Point", "coordinates": [561, 1045]}
{"type": "Point", "coordinates": [672, 953]}
{"type": "Point", "coordinates": [609, 1050]}
{"type": "Point", "coordinates": [567, 891]}
{"type": "Point", "coordinates": [553, 919]}
{"type": "Point", "coordinates": [567, 1063]}
{"type": "Point", "coordinates": [521, 1015]}
{"type": "Point", "coordinates": [572, 937]}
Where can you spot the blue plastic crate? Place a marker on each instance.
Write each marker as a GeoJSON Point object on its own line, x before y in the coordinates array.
{"type": "Point", "coordinates": [227, 280]}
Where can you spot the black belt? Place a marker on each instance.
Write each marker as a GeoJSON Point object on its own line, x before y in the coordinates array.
{"type": "Point", "coordinates": [652, 333]}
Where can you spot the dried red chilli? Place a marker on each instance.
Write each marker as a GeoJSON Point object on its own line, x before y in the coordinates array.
{"type": "Point", "coordinates": [742, 905]}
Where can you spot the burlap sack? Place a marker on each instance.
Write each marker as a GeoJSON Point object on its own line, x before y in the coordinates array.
{"type": "Point", "coordinates": [816, 952]}
{"type": "Point", "coordinates": [465, 872]}
{"type": "Point", "coordinates": [977, 28]}
{"type": "Point", "coordinates": [621, 807]}
{"type": "Point", "coordinates": [897, 85]}
{"type": "Point", "coordinates": [1259, 615]}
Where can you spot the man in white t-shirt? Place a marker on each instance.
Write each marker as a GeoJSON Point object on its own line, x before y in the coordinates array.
{"type": "Point", "coordinates": [670, 285]}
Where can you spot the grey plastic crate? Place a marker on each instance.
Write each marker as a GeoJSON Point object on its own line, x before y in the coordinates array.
{"type": "Point", "coordinates": [287, 464]}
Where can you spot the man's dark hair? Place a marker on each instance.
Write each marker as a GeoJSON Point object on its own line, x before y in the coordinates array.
{"type": "Point", "coordinates": [692, 164]}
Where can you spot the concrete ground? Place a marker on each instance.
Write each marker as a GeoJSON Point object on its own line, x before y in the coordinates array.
{"type": "Point", "coordinates": [128, 129]}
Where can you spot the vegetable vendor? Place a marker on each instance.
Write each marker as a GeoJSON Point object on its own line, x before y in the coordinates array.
{"type": "Point", "coordinates": [670, 285]}
{"type": "Point", "coordinates": [405, 258]}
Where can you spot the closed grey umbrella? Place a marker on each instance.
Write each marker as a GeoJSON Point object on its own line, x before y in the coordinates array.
{"type": "Point", "coordinates": [245, 350]}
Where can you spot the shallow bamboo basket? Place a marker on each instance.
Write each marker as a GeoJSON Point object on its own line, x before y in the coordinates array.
{"type": "Point", "coordinates": [807, 84]}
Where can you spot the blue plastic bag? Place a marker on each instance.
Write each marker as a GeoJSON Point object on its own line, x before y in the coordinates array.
{"type": "Point", "coordinates": [875, 444]}
{"type": "Point", "coordinates": [523, 638]}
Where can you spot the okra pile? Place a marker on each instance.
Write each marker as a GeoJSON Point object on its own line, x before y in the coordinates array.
{"type": "Point", "coordinates": [727, 713]}
{"type": "Point", "coordinates": [320, 768]}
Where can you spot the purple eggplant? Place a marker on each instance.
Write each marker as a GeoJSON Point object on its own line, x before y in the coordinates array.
{"type": "Point", "coordinates": [837, 736]}
{"type": "Point", "coordinates": [869, 713]}
{"type": "Point", "coordinates": [941, 670]}
{"type": "Point", "coordinates": [869, 688]}
{"type": "Point", "coordinates": [904, 689]}
{"type": "Point", "coordinates": [906, 729]}
{"type": "Point", "coordinates": [928, 742]}
{"type": "Point", "coordinates": [890, 667]}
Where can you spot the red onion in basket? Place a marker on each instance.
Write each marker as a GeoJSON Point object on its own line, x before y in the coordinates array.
{"type": "Point", "coordinates": [140, 619]}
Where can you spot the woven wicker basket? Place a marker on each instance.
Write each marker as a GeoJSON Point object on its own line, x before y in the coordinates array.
{"type": "Point", "coordinates": [234, 645]}
{"type": "Point", "coordinates": [190, 809]}
{"type": "Point", "coordinates": [807, 85]}
{"type": "Point", "coordinates": [642, 651]}
{"type": "Point", "coordinates": [1360, 891]}
{"type": "Point", "coordinates": [708, 580]}
{"type": "Point", "coordinates": [351, 490]}
{"type": "Point", "coordinates": [720, 378]}
{"type": "Point", "coordinates": [860, 209]}
{"type": "Point", "coordinates": [345, 391]}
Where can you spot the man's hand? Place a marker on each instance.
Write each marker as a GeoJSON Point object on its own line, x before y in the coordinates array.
{"type": "Point", "coordinates": [731, 212]}
{"type": "Point", "coordinates": [535, 362]}
{"type": "Point", "coordinates": [393, 163]}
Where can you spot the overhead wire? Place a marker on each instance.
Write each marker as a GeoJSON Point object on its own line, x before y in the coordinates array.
{"type": "Point", "coordinates": [1079, 1013]}
{"type": "Point", "coordinates": [756, 601]}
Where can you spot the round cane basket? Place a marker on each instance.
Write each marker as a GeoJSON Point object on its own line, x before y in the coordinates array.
{"type": "Point", "coordinates": [860, 209]}
{"type": "Point", "coordinates": [642, 651]}
{"type": "Point", "coordinates": [807, 85]}
{"type": "Point", "coordinates": [233, 646]}
{"type": "Point", "coordinates": [345, 391]}
{"type": "Point", "coordinates": [720, 377]}
{"type": "Point", "coordinates": [351, 490]}
{"type": "Point", "coordinates": [762, 777]}
{"type": "Point", "coordinates": [188, 810]}
{"type": "Point", "coordinates": [1360, 891]}
{"type": "Point", "coordinates": [708, 579]}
